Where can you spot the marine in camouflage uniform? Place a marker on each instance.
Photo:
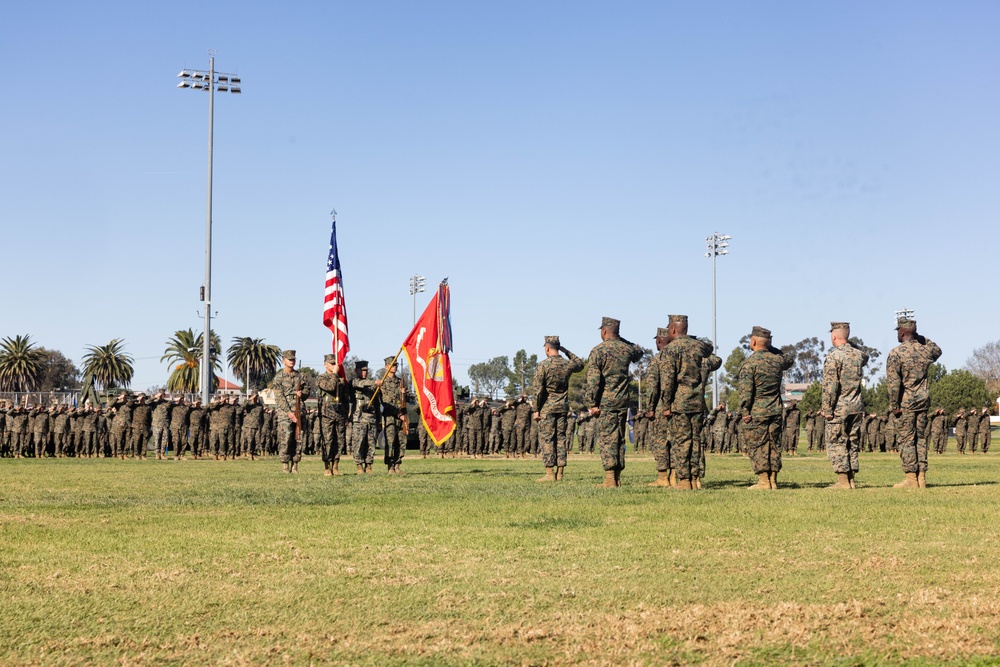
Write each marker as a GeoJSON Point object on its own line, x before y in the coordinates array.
{"type": "Point", "coordinates": [985, 433]}
{"type": "Point", "coordinates": [843, 410]}
{"type": "Point", "coordinates": [682, 389]}
{"type": "Point", "coordinates": [61, 442]}
{"type": "Point", "coordinates": [197, 419]}
{"type": "Point", "coordinates": [759, 389]}
{"type": "Point", "coordinates": [160, 424]}
{"type": "Point", "coordinates": [790, 429]}
{"type": "Point", "coordinates": [334, 403]}
{"type": "Point", "coordinates": [142, 419]}
{"type": "Point", "coordinates": [119, 431]}
{"type": "Point", "coordinates": [40, 423]}
{"type": "Point", "coordinates": [939, 431]}
{"type": "Point", "coordinates": [365, 418]}
{"type": "Point", "coordinates": [961, 424]}
{"type": "Point", "coordinates": [607, 396]}
{"type": "Point", "coordinates": [288, 386]}
{"type": "Point", "coordinates": [180, 419]}
{"type": "Point", "coordinates": [522, 427]}
{"type": "Point", "coordinates": [392, 395]}
{"type": "Point", "coordinates": [906, 380]}
{"type": "Point", "coordinates": [972, 431]}
{"type": "Point", "coordinates": [658, 431]}
{"type": "Point", "coordinates": [507, 415]}
{"type": "Point", "coordinates": [253, 424]}
{"type": "Point", "coordinates": [550, 388]}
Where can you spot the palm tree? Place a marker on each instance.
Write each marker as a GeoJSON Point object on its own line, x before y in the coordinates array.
{"type": "Point", "coordinates": [257, 357]}
{"type": "Point", "coordinates": [108, 365]}
{"type": "Point", "coordinates": [185, 349]}
{"type": "Point", "coordinates": [21, 364]}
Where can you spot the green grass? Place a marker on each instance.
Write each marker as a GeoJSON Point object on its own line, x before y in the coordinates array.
{"type": "Point", "coordinates": [471, 562]}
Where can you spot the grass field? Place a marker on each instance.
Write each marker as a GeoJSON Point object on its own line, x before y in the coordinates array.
{"type": "Point", "coordinates": [471, 562]}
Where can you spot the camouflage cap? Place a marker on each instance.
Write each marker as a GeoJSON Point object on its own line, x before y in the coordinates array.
{"type": "Point", "coordinates": [760, 332]}
{"type": "Point", "coordinates": [839, 325]}
{"type": "Point", "coordinates": [552, 341]}
{"type": "Point", "coordinates": [329, 359]}
{"type": "Point", "coordinates": [662, 332]}
{"type": "Point", "coordinates": [679, 319]}
{"type": "Point", "coordinates": [288, 354]}
{"type": "Point", "coordinates": [358, 365]}
{"type": "Point", "coordinates": [610, 323]}
{"type": "Point", "coordinates": [389, 361]}
{"type": "Point", "coordinates": [906, 323]}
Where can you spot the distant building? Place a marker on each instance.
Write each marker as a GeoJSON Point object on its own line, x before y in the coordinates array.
{"type": "Point", "coordinates": [794, 391]}
{"type": "Point", "coordinates": [227, 388]}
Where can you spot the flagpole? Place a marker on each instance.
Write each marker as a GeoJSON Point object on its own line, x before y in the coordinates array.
{"type": "Point", "coordinates": [379, 385]}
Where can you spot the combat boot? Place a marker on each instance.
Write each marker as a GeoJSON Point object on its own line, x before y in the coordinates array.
{"type": "Point", "coordinates": [909, 483]}
{"type": "Point", "coordinates": [618, 477]}
{"type": "Point", "coordinates": [368, 468]}
{"type": "Point", "coordinates": [662, 479]}
{"type": "Point", "coordinates": [550, 475]}
{"type": "Point", "coordinates": [696, 483]}
{"type": "Point", "coordinates": [672, 477]}
{"type": "Point", "coordinates": [843, 481]}
{"type": "Point", "coordinates": [773, 479]}
{"type": "Point", "coordinates": [609, 480]}
{"type": "Point", "coordinates": [284, 467]}
{"type": "Point", "coordinates": [328, 470]}
{"type": "Point", "coordinates": [922, 479]}
{"type": "Point", "coordinates": [763, 482]}
{"type": "Point", "coordinates": [559, 473]}
{"type": "Point", "coordinates": [850, 480]}
{"type": "Point", "coordinates": [361, 469]}
{"type": "Point", "coordinates": [335, 469]}
{"type": "Point", "coordinates": [295, 468]}
{"type": "Point", "coordinates": [682, 485]}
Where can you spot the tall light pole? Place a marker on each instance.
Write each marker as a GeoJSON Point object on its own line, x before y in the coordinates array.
{"type": "Point", "coordinates": [416, 285]}
{"type": "Point", "coordinates": [717, 245]}
{"type": "Point", "coordinates": [209, 81]}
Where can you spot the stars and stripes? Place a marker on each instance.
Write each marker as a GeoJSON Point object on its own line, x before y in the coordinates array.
{"type": "Point", "coordinates": [334, 307]}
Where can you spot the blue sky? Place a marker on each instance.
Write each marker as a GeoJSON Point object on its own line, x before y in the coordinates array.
{"type": "Point", "coordinates": [557, 161]}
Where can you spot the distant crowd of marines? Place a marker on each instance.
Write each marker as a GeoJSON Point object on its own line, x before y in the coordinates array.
{"type": "Point", "coordinates": [675, 425]}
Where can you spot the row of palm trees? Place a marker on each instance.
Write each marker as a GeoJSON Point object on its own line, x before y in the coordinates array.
{"type": "Point", "coordinates": [253, 361]}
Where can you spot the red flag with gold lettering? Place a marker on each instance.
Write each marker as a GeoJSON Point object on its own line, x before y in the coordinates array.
{"type": "Point", "coordinates": [427, 349]}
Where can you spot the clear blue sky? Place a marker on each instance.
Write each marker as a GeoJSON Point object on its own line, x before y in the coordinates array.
{"type": "Point", "coordinates": [558, 161]}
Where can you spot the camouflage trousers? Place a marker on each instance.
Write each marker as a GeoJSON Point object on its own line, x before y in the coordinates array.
{"type": "Point", "coordinates": [332, 436]}
{"type": "Point", "coordinates": [960, 441]}
{"type": "Point", "coordinates": [161, 439]}
{"type": "Point", "coordinates": [685, 444]}
{"type": "Point", "coordinates": [395, 448]}
{"type": "Point", "coordinates": [288, 448]}
{"type": "Point", "coordinates": [843, 442]}
{"type": "Point", "coordinates": [611, 438]}
{"type": "Point", "coordinates": [987, 437]}
{"type": "Point", "coordinates": [762, 438]}
{"type": "Point", "coordinates": [365, 434]}
{"type": "Point", "coordinates": [552, 432]}
{"type": "Point", "coordinates": [791, 438]}
{"type": "Point", "coordinates": [940, 440]}
{"type": "Point", "coordinates": [659, 442]}
{"type": "Point", "coordinates": [140, 437]}
{"type": "Point", "coordinates": [178, 438]}
{"type": "Point", "coordinates": [249, 441]}
{"type": "Point", "coordinates": [521, 442]}
{"type": "Point", "coordinates": [910, 429]}
{"type": "Point", "coordinates": [423, 439]}
{"type": "Point", "coordinates": [720, 441]}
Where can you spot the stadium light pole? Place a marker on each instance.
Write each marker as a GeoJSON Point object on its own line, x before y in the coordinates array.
{"type": "Point", "coordinates": [717, 245]}
{"type": "Point", "coordinates": [416, 286]}
{"type": "Point", "coordinates": [208, 81]}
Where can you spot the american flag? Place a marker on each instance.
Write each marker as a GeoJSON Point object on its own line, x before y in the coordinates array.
{"type": "Point", "coordinates": [334, 308]}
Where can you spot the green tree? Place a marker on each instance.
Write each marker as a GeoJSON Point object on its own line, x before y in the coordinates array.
{"type": "Point", "coordinates": [521, 373]}
{"type": "Point", "coordinates": [185, 350]}
{"type": "Point", "coordinates": [22, 364]}
{"type": "Point", "coordinates": [959, 389]}
{"type": "Point", "coordinates": [58, 372]}
{"type": "Point", "coordinates": [253, 356]}
{"type": "Point", "coordinates": [108, 365]}
{"type": "Point", "coordinates": [876, 398]}
{"type": "Point", "coordinates": [808, 367]}
{"type": "Point", "coordinates": [487, 377]}
{"type": "Point", "coordinates": [874, 365]}
{"type": "Point", "coordinates": [812, 399]}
